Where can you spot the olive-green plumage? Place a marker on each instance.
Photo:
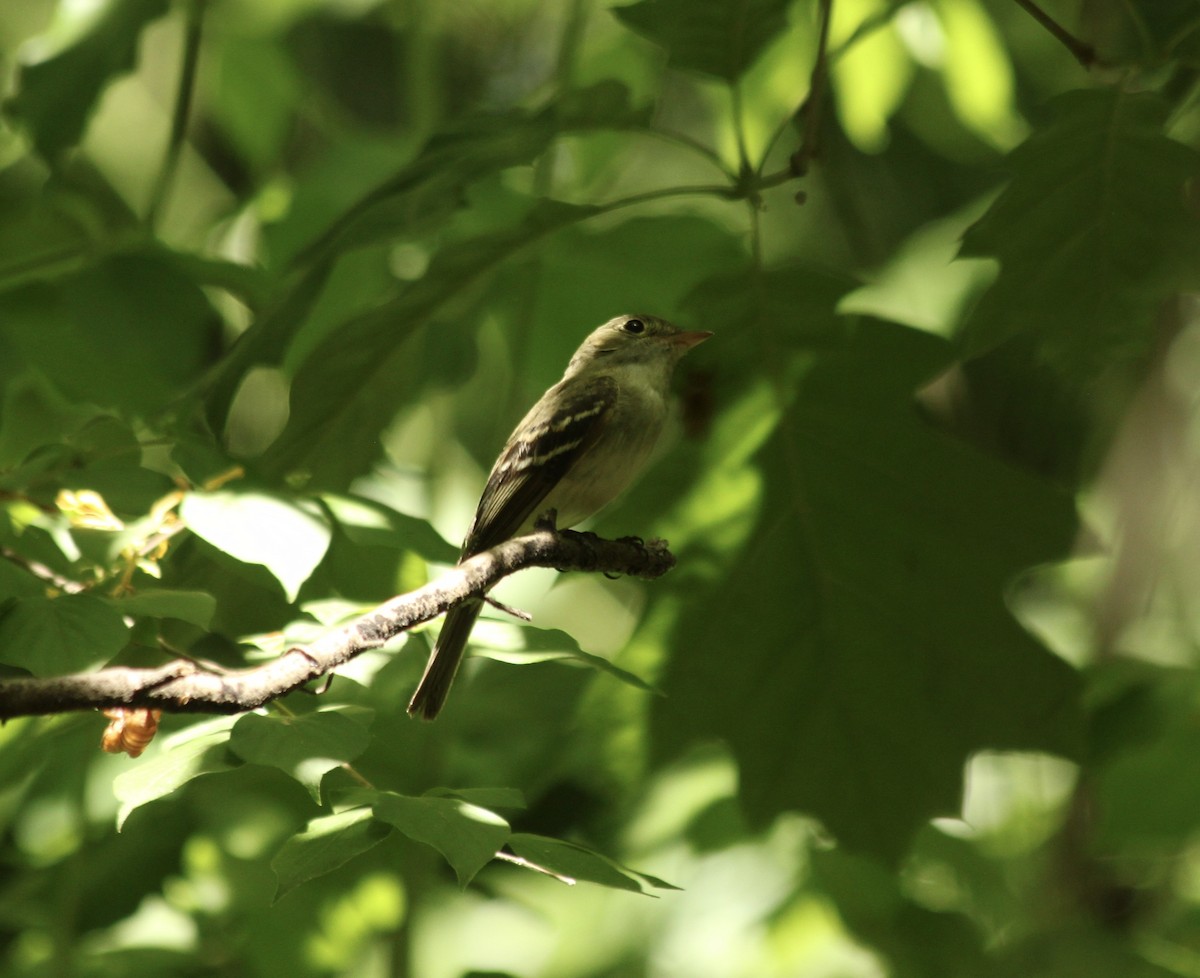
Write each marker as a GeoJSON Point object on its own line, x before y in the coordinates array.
{"type": "Point", "coordinates": [579, 447]}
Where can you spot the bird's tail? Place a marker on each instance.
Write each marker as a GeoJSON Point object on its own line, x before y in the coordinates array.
{"type": "Point", "coordinates": [444, 661]}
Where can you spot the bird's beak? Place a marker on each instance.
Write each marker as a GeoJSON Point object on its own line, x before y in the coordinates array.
{"type": "Point", "coordinates": [686, 340]}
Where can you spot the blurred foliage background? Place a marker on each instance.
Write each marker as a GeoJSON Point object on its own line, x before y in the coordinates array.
{"type": "Point", "coordinates": [278, 276]}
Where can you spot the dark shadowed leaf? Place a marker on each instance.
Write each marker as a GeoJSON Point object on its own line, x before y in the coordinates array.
{"type": "Point", "coordinates": [140, 304]}
{"type": "Point", "coordinates": [54, 636]}
{"type": "Point", "coordinates": [861, 650]}
{"type": "Point", "coordinates": [721, 38]}
{"type": "Point", "coordinates": [1094, 232]}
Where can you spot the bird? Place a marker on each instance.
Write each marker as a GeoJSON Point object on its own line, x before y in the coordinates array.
{"type": "Point", "coordinates": [578, 448]}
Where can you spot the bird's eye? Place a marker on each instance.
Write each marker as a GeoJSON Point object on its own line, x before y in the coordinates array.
{"type": "Point", "coordinates": [634, 326]}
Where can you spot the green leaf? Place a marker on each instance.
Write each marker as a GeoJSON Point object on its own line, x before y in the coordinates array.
{"type": "Point", "coordinates": [554, 645]}
{"type": "Point", "coordinates": [772, 312]}
{"type": "Point", "coordinates": [1144, 733]}
{"type": "Point", "coordinates": [15, 582]}
{"type": "Point", "coordinates": [349, 389]}
{"type": "Point", "coordinates": [484, 797]}
{"type": "Point", "coordinates": [721, 38]}
{"type": "Point", "coordinates": [324, 845]}
{"type": "Point", "coordinates": [54, 636]}
{"type": "Point", "coordinates": [196, 607]}
{"type": "Point", "coordinates": [917, 941]}
{"type": "Point", "coordinates": [64, 72]}
{"type": "Point", "coordinates": [34, 414]}
{"type": "Point", "coordinates": [473, 148]}
{"type": "Point", "coordinates": [42, 239]}
{"type": "Point", "coordinates": [371, 524]}
{"type": "Point", "coordinates": [287, 536]}
{"type": "Point", "coordinates": [65, 328]}
{"type": "Point", "coordinates": [305, 747]}
{"type": "Point", "coordinates": [200, 749]}
{"type": "Point", "coordinates": [879, 653]}
{"type": "Point", "coordinates": [420, 196]}
{"type": "Point", "coordinates": [1092, 234]}
{"type": "Point", "coordinates": [574, 862]}
{"type": "Point", "coordinates": [599, 269]}
{"type": "Point", "coordinates": [467, 835]}
{"type": "Point", "coordinates": [255, 94]}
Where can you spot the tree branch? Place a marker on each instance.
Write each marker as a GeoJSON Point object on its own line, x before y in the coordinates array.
{"type": "Point", "coordinates": [184, 686]}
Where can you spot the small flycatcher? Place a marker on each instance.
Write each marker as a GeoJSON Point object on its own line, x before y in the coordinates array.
{"type": "Point", "coordinates": [579, 447]}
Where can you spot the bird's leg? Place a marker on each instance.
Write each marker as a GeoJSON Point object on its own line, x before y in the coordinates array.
{"type": "Point", "coordinates": [547, 521]}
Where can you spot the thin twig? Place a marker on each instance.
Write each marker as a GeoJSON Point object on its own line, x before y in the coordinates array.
{"type": "Point", "coordinates": [182, 111]}
{"type": "Point", "coordinates": [524, 863]}
{"type": "Point", "coordinates": [564, 74]}
{"type": "Point", "coordinates": [811, 109]}
{"type": "Point", "coordinates": [1083, 52]}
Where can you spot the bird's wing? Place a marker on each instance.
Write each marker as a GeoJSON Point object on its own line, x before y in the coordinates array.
{"type": "Point", "coordinates": [536, 457]}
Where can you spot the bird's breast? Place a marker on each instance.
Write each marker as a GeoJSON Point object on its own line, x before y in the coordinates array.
{"type": "Point", "coordinates": [612, 464]}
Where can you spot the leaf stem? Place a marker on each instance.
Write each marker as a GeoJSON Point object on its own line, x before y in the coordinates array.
{"type": "Point", "coordinates": [1083, 52]}
{"type": "Point", "coordinates": [564, 73]}
{"type": "Point", "coordinates": [193, 32]}
{"type": "Point", "coordinates": [690, 142]}
{"type": "Point", "coordinates": [810, 110]}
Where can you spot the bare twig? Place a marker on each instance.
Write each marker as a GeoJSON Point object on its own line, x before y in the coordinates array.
{"type": "Point", "coordinates": [1083, 52]}
{"type": "Point", "coordinates": [810, 110]}
{"type": "Point", "coordinates": [184, 686]}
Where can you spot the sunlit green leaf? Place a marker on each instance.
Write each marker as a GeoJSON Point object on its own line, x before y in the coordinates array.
{"type": "Point", "coordinates": [325, 844]}
{"type": "Point", "coordinates": [484, 797]}
{"type": "Point", "coordinates": [550, 645]}
{"type": "Point", "coordinates": [575, 862]}
{"type": "Point", "coordinates": [467, 835]}
{"type": "Point", "coordinates": [199, 750]}
{"type": "Point", "coordinates": [978, 72]}
{"type": "Point", "coordinates": [196, 607]}
{"type": "Point", "coordinates": [288, 537]}
{"type": "Point", "coordinates": [306, 747]}
{"type": "Point", "coordinates": [872, 78]}
{"type": "Point", "coordinates": [369, 523]}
